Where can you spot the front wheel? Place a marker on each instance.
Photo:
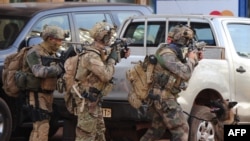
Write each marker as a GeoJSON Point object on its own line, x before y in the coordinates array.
{"type": "Point", "coordinates": [201, 127]}
{"type": "Point", "coordinates": [5, 121]}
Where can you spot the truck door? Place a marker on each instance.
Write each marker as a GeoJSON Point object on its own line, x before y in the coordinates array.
{"type": "Point", "coordinates": [240, 36]}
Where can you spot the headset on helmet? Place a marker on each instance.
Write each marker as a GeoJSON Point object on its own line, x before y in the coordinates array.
{"type": "Point", "coordinates": [53, 31]}
{"type": "Point", "coordinates": [181, 34]}
{"type": "Point", "coordinates": [103, 31]}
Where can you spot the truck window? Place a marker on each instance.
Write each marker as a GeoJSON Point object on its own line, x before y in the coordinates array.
{"type": "Point", "coordinates": [155, 33]}
{"type": "Point", "coordinates": [240, 35]}
{"type": "Point", "coordinates": [203, 32]}
{"type": "Point", "coordinates": [85, 21]}
{"type": "Point", "coordinates": [58, 20]}
{"type": "Point", "coordinates": [122, 15]}
{"type": "Point", "coordinates": [9, 29]}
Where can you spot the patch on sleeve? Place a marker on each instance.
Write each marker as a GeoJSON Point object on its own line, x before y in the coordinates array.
{"type": "Point", "coordinates": [33, 59]}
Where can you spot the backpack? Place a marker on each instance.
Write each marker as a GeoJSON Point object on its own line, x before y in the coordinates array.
{"type": "Point", "coordinates": [12, 64]}
{"type": "Point", "coordinates": [140, 78]}
{"type": "Point", "coordinates": [70, 66]}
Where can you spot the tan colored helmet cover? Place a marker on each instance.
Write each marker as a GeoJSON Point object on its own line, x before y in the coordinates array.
{"type": "Point", "coordinates": [180, 34]}
{"type": "Point", "coordinates": [100, 30]}
{"type": "Point", "coordinates": [53, 31]}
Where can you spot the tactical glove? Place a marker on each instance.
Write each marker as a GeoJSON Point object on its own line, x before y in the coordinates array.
{"type": "Point", "coordinates": [113, 55]}
{"type": "Point", "coordinates": [123, 53]}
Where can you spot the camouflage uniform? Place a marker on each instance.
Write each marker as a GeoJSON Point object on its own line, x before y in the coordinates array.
{"type": "Point", "coordinates": [169, 74]}
{"type": "Point", "coordinates": [41, 97]}
{"type": "Point", "coordinates": [94, 73]}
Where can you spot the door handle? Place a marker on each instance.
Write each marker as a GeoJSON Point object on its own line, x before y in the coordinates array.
{"type": "Point", "coordinates": [240, 69]}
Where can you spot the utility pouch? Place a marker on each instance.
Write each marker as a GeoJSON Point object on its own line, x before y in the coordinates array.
{"type": "Point", "coordinates": [27, 81]}
{"type": "Point", "coordinates": [153, 96]}
{"type": "Point", "coordinates": [108, 88]}
{"type": "Point", "coordinates": [20, 79]}
{"type": "Point", "coordinates": [161, 79]}
{"type": "Point", "coordinates": [61, 85]}
{"type": "Point", "coordinates": [134, 100]}
{"type": "Point", "coordinates": [171, 82]}
{"type": "Point", "coordinates": [33, 83]}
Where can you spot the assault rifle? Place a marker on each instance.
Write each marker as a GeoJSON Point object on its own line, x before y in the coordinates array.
{"type": "Point", "coordinates": [64, 55]}
{"type": "Point", "coordinates": [195, 45]}
{"type": "Point", "coordinates": [120, 45]}
{"type": "Point", "coordinates": [46, 60]}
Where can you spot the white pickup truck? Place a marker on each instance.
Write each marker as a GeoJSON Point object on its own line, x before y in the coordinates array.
{"type": "Point", "coordinates": [223, 73]}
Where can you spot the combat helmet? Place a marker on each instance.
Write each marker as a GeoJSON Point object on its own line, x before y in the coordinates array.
{"type": "Point", "coordinates": [53, 31]}
{"type": "Point", "coordinates": [181, 34]}
{"type": "Point", "coordinates": [103, 31]}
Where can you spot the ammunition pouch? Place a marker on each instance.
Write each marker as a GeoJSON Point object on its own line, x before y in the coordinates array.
{"type": "Point", "coordinates": [153, 96]}
{"type": "Point", "coordinates": [108, 88]}
{"type": "Point", "coordinates": [38, 114]}
{"type": "Point", "coordinates": [134, 100]}
{"type": "Point", "coordinates": [158, 94]}
{"type": "Point", "coordinates": [164, 80]}
{"type": "Point", "coordinates": [27, 81]}
{"type": "Point", "coordinates": [93, 94]}
{"type": "Point", "coordinates": [61, 85]}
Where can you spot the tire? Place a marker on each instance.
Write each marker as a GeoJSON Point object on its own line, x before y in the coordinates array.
{"type": "Point", "coordinates": [201, 127]}
{"type": "Point", "coordinates": [5, 121]}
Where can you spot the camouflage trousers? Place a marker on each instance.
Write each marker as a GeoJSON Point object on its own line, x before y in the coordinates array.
{"type": "Point", "coordinates": [167, 114]}
{"type": "Point", "coordinates": [90, 123]}
{"type": "Point", "coordinates": [40, 130]}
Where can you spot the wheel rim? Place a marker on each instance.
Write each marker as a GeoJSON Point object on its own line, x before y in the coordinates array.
{"type": "Point", "coordinates": [205, 131]}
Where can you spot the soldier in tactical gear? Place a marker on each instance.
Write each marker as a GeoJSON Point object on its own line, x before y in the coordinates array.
{"type": "Point", "coordinates": [43, 79]}
{"type": "Point", "coordinates": [171, 73]}
{"type": "Point", "coordinates": [94, 74]}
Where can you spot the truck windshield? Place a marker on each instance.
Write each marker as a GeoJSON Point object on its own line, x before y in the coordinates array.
{"type": "Point", "coordinates": [240, 34]}
{"type": "Point", "coordinates": [9, 29]}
